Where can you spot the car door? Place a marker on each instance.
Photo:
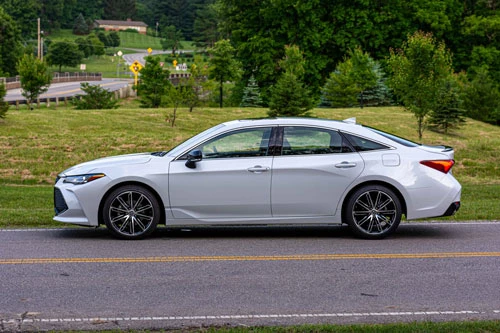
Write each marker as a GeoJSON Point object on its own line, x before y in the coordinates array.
{"type": "Point", "coordinates": [233, 179]}
{"type": "Point", "coordinates": [313, 171]}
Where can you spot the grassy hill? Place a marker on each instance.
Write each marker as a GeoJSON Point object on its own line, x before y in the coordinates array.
{"type": "Point", "coordinates": [36, 145]}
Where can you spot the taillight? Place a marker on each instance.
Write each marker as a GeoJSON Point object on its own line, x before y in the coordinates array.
{"type": "Point", "coordinates": [440, 165]}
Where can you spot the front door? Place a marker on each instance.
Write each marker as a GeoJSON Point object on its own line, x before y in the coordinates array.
{"type": "Point", "coordinates": [233, 179]}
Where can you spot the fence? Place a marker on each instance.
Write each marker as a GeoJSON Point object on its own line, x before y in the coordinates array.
{"type": "Point", "coordinates": [15, 83]}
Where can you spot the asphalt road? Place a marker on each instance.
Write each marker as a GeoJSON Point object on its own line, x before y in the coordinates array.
{"type": "Point", "coordinates": [84, 279]}
{"type": "Point", "coordinates": [69, 89]}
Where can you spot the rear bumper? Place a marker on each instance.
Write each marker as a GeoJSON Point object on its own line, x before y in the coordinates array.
{"type": "Point", "coordinates": [454, 207]}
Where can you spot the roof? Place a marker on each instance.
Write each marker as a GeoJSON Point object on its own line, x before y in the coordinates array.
{"type": "Point", "coordinates": [124, 23]}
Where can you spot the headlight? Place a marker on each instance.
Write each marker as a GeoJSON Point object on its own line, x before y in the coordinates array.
{"type": "Point", "coordinates": [83, 179]}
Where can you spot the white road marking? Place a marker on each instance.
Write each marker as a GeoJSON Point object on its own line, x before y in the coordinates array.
{"type": "Point", "coordinates": [247, 316]}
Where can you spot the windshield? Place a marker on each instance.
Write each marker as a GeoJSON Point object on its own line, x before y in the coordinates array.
{"type": "Point", "coordinates": [394, 138]}
{"type": "Point", "coordinates": [183, 146]}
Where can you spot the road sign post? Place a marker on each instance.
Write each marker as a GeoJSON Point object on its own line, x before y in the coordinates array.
{"type": "Point", "coordinates": [136, 68]}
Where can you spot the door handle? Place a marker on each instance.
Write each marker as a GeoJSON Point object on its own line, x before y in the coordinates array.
{"type": "Point", "coordinates": [345, 165]}
{"type": "Point", "coordinates": [258, 169]}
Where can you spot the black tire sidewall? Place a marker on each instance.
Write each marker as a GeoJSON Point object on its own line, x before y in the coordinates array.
{"type": "Point", "coordinates": [359, 232]}
{"type": "Point", "coordinates": [134, 188]}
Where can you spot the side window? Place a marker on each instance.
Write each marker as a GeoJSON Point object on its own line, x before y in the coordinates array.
{"type": "Point", "coordinates": [242, 143]}
{"type": "Point", "coordinates": [362, 144]}
{"type": "Point", "coordinates": [305, 140]}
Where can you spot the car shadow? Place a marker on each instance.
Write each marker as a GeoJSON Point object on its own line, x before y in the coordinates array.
{"type": "Point", "coordinates": [405, 231]}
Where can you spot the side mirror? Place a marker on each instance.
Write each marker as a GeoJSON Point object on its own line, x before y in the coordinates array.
{"type": "Point", "coordinates": [193, 157]}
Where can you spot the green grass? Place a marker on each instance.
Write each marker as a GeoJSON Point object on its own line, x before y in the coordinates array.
{"type": "Point", "coordinates": [36, 145]}
{"type": "Point", "coordinates": [425, 327]}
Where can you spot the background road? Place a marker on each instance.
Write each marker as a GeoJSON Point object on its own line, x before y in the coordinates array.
{"type": "Point", "coordinates": [69, 89]}
{"type": "Point", "coordinates": [84, 279]}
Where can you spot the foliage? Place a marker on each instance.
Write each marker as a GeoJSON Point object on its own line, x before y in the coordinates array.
{"type": "Point", "coordinates": [482, 98]}
{"type": "Point", "coordinates": [380, 94]}
{"type": "Point", "coordinates": [251, 94]}
{"type": "Point", "coordinates": [85, 46]}
{"type": "Point", "coordinates": [10, 45]}
{"type": "Point", "coordinates": [96, 46]}
{"type": "Point", "coordinates": [95, 98]}
{"type": "Point", "coordinates": [154, 84]}
{"type": "Point", "coordinates": [362, 74]}
{"type": "Point", "coordinates": [114, 39]}
{"type": "Point", "coordinates": [448, 114]}
{"type": "Point", "coordinates": [119, 9]}
{"type": "Point", "coordinates": [419, 70]}
{"type": "Point", "coordinates": [35, 77]}
{"type": "Point", "coordinates": [289, 97]}
{"type": "Point", "coordinates": [339, 90]}
{"type": "Point", "coordinates": [171, 39]}
{"type": "Point", "coordinates": [205, 32]}
{"type": "Point", "coordinates": [4, 106]}
{"type": "Point", "coordinates": [223, 65]}
{"type": "Point", "coordinates": [64, 54]}
{"type": "Point", "coordinates": [80, 27]}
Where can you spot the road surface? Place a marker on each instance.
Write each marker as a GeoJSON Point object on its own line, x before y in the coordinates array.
{"type": "Point", "coordinates": [80, 278]}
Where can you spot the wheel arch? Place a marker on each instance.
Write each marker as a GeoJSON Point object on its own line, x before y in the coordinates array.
{"type": "Point", "coordinates": [374, 182]}
{"type": "Point", "coordinates": [163, 219]}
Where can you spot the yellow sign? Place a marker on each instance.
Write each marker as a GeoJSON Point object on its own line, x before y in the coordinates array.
{"type": "Point", "coordinates": [150, 50]}
{"type": "Point", "coordinates": [136, 67]}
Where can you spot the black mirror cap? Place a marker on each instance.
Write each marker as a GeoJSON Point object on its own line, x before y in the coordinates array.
{"type": "Point", "coordinates": [193, 157]}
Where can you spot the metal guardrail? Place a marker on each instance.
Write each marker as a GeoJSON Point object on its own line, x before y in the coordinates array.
{"type": "Point", "coordinates": [15, 82]}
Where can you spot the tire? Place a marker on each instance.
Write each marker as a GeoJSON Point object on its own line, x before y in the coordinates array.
{"type": "Point", "coordinates": [131, 212]}
{"type": "Point", "coordinates": [373, 212]}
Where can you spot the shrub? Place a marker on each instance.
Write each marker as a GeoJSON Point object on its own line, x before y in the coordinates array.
{"type": "Point", "coordinates": [96, 98]}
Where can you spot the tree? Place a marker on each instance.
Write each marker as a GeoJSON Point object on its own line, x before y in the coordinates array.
{"type": "Point", "coordinates": [362, 73]}
{"type": "Point", "coordinates": [119, 9]}
{"type": "Point", "coordinates": [10, 44]}
{"type": "Point", "coordinates": [95, 98]}
{"type": "Point", "coordinates": [35, 77]}
{"type": "Point", "coordinates": [154, 85]}
{"type": "Point", "coordinates": [4, 106]}
{"type": "Point", "coordinates": [205, 32]}
{"type": "Point", "coordinates": [481, 98]}
{"type": "Point", "coordinates": [171, 39]}
{"type": "Point", "coordinates": [80, 27]}
{"type": "Point", "coordinates": [339, 89]}
{"type": "Point", "coordinates": [289, 97]}
{"type": "Point", "coordinates": [64, 54]}
{"type": "Point", "coordinates": [251, 94]}
{"type": "Point", "coordinates": [96, 45]}
{"type": "Point", "coordinates": [104, 38]}
{"type": "Point", "coordinates": [223, 65]}
{"type": "Point", "coordinates": [85, 46]}
{"type": "Point", "coordinates": [114, 39]}
{"type": "Point", "coordinates": [448, 114]}
{"type": "Point", "coordinates": [418, 72]}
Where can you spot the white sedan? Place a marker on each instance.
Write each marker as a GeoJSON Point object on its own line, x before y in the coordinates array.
{"type": "Point", "coordinates": [266, 171]}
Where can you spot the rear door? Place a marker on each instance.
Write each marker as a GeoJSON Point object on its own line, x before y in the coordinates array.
{"type": "Point", "coordinates": [312, 172]}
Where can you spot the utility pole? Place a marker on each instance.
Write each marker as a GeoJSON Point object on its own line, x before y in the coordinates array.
{"type": "Point", "coordinates": [39, 52]}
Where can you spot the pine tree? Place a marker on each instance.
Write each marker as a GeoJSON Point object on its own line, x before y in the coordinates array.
{"type": "Point", "coordinates": [80, 27]}
{"type": "Point", "coordinates": [449, 113]}
{"type": "Point", "coordinates": [251, 94]}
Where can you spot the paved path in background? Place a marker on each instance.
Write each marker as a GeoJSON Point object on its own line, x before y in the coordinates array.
{"type": "Point", "coordinates": [79, 278]}
{"type": "Point", "coordinates": [68, 89]}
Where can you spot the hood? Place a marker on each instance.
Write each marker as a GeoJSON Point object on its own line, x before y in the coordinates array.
{"type": "Point", "coordinates": [106, 162]}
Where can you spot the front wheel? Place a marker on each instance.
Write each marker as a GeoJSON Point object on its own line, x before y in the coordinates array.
{"type": "Point", "coordinates": [131, 212]}
{"type": "Point", "coordinates": [373, 212]}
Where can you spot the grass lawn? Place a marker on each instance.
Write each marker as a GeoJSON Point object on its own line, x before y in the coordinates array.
{"type": "Point", "coordinates": [36, 145]}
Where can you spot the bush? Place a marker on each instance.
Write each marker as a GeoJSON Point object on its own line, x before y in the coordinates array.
{"type": "Point", "coordinates": [4, 106]}
{"type": "Point", "coordinates": [482, 98]}
{"type": "Point", "coordinates": [96, 98]}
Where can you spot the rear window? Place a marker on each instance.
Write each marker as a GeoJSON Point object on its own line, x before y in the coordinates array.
{"type": "Point", "coordinates": [395, 138]}
{"type": "Point", "coordinates": [363, 144]}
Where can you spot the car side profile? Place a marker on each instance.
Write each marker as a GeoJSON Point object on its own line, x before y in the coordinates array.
{"type": "Point", "coordinates": [265, 172]}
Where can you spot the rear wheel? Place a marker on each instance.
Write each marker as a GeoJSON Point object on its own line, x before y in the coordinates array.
{"type": "Point", "coordinates": [131, 212]}
{"type": "Point", "coordinates": [373, 212]}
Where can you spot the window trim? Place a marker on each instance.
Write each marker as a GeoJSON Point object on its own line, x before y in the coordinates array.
{"type": "Point", "coordinates": [281, 132]}
{"type": "Point", "coordinates": [272, 139]}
